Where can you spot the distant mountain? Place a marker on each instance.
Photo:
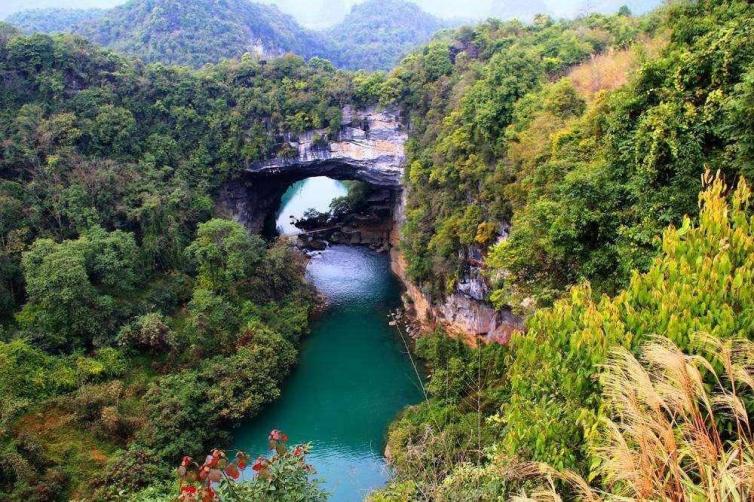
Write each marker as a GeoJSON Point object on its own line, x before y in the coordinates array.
{"type": "Point", "coordinates": [53, 20]}
{"type": "Point", "coordinates": [374, 35]}
{"type": "Point", "coordinates": [9, 7]}
{"type": "Point", "coordinates": [377, 33]}
{"type": "Point", "coordinates": [200, 31]}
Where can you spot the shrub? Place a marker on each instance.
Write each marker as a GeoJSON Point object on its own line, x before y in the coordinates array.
{"type": "Point", "coordinates": [149, 332]}
{"type": "Point", "coordinates": [285, 476]}
{"type": "Point", "coordinates": [193, 408]}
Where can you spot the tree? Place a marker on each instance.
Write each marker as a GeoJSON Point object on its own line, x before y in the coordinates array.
{"type": "Point", "coordinates": [64, 309]}
{"type": "Point", "coordinates": [226, 256]}
{"type": "Point", "coordinates": [113, 131]}
{"type": "Point", "coordinates": [70, 286]}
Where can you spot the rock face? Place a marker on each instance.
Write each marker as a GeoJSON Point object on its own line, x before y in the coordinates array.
{"type": "Point", "coordinates": [369, 148]}
{"type": "Point", "coordinates": [465, 312]}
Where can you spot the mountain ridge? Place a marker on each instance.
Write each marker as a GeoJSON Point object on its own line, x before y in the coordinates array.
{"type": "Point", "coordinates": [396, 26]}
{"type": "Point", "coordinates": [53, 20]}
{"type": "Point", "coordinates": [199, 32]}
{"type": "Point", "coordinates": [195, 33]}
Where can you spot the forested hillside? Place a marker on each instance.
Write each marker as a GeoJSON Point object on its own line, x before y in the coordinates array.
{"type": "Point", "coordinates": [52, 20]}
{"type": "Point", "coordinates": [467, 100]}
{"type": "Point", "coordinates": [202, 31]}
{"type": "Point", "coordinates": [594, 161]}
{"type": "Point", "coordinates": [587, 179]}
{"type": "Point", "coordinates": [376, 34]}
{"type": "Point", "coordinates": [134, 328]}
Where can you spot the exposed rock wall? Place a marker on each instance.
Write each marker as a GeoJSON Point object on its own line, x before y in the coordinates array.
{"type": "Point", "coordinates": [464, 313]}
{"type": "Point", "coordinates": [369, 147]}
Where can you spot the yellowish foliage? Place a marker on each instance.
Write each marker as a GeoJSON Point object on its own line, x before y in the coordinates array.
{"type": "Point", "coordinates": [612, 69]}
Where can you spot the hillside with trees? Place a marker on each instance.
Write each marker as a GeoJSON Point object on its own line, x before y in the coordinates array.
{"type": "Point", "coordinates": [596, 166]}
{"type": "Point", "coordinates": [202, 31]}
{"type": "Point", "coordinates": [133, 325]}
{"type": "Point", "coordinates": [376, 34]}
{"type": "Point", "coordinates": [52, 20]}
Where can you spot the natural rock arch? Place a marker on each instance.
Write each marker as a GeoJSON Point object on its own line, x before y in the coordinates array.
{"type": "Point", "coordinates": [369, 148]}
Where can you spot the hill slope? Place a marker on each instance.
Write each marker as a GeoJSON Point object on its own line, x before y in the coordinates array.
{"type": "Point", "coordinates": [201, 31]}
{"type": "Point", "coordinates": [377, 33]}
{"type": "Point", "coordinates": [52, 20]}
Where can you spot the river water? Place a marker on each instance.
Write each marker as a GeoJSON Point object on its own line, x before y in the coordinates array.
{"type": "Point", "coordinates": [354, 374]}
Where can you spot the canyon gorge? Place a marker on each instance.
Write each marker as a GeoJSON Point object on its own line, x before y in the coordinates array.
{"type": "Point", "coordinates": [370, 148]}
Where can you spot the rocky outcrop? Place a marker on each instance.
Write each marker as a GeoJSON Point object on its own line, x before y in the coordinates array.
{"type": "Point", "coordinates": [465, 312]}
{"type": "Point", "coordinates": [370, 224]}
{"type": "Point", "coordinates": [459, 313]}
{"type": "Point", "coordinates": [369, 148]}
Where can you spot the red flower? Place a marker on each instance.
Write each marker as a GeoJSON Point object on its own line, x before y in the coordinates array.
{"type": "Point", "coordinates": [276, 435]}
{"type": "Point", "coordinates": [298, 451]}
{"type": "Point", "coordinates": [260, 464]}
{"type": "Point", "coordinates": [241, 460]}
{"type": "Point", "coordinates": [204, 472]}
{"type": "Point", "coordinates": [232, 471]}
{"type": "Point", "coordinates": [188, 490]}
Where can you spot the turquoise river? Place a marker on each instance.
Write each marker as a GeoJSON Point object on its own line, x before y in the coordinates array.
{"type": "Point", "coordinates": [354, 373]}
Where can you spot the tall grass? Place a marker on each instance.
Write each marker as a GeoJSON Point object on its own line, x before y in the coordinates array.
{"type": "Point", "coordinates": [678, 430]}
{"type": "Point", "coordinates": [612, 69]}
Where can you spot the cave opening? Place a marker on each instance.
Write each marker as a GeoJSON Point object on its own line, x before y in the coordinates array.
{"type": "Point", "coordinates": [273, 203]}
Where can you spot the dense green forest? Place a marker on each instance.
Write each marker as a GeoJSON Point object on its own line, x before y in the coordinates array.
{"type": "Point", "coordinates": [133, 322]}
{"type": "Point", "coordinates": [52, 20]}
{"type": "Point", "coordinates": [374, 36]}
{"type": "Point", "coordinates": [202, 31]}
{"type": "Point", "coordinates": [599, 167]}
{"type": "Point", "coordinates": [587, 176]}
{"type": "Point", "coordinates": [590, 163]}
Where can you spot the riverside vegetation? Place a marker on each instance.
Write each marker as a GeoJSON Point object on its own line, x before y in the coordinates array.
{"type": "Point", "coordinates": [617, 148]}
{"type": "Point", "coordinates": [135, 327]}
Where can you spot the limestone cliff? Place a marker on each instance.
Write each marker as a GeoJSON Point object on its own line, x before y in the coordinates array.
{"type": "Point", "coordinates": [369, 148]}
{"type": "Point", "coordinates": [465, 312]}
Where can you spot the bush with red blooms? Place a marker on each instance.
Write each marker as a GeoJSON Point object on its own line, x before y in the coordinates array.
{"type": "Point", "coordinates": [283, 477]}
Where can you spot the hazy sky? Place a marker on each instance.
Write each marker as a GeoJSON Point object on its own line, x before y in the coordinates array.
{"type": "Point", "coordinates": [322, 13]}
